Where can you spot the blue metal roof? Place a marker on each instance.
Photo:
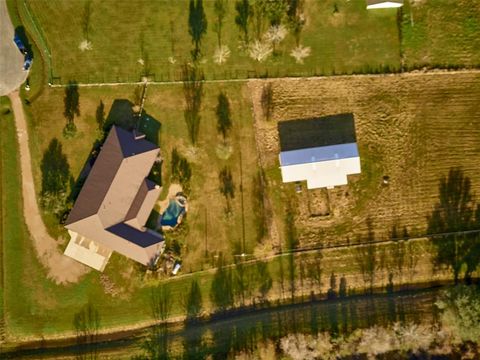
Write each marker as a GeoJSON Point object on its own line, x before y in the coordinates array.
{"type": "Point", "coordinates": [317, 154]}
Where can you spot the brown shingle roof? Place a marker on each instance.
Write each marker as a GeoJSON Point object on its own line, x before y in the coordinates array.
{"type": "Point", "coordinates": [116, 190]}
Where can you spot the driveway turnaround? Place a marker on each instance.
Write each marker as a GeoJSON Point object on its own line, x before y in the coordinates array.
{"type": "Point", "coordinates": [12, 74]}
{"type": "Point", "coordinates": [60, 268]}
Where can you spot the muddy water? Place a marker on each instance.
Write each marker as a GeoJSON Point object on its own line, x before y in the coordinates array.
{"type": "Point", "coordinates": [244, 333]}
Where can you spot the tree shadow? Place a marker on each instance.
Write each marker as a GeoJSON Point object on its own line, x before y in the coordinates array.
{"type": "Point", "coordinates": [455, 212]}
{"type": "Point", "coordinates": [121, 114]}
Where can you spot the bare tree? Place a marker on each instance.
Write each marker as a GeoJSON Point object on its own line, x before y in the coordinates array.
{"type": "Point", "coordinates": [87, 325]}
{"type": "Point", "coordinates": [267, 101]}
{"type": "Point", "coordinates": [193, 93]}
{"type": "Point", "coordinates": [86, 18]}
{"type": "Point", "coordinates": [220, 9]}
{"type": "Point", "coordinates": [161, 302]}
{"type": "Point", "coordinates": [366, 257]}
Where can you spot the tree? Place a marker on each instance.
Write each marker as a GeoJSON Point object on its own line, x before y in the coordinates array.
{"type": "Point", "coordinates": [267, 101]}
{"type": "Point", "coordinates": [221, 291]}
{"type": "Point", "coordinates": [460, 312]}
{"type": "Point", "coordinates": [258, 17]}
{"type": "Point", "coordinates": [100, 116]}
{"type": "Point", "coordinates": [197, 25]}
{"type": "Point", "coordinates": [240, 282]}
{"type": "Point", "coordinates": [454, 213]}
{"type": "Point", "coordinates": [87, 14]}
{"type": "Point", "coordinates": [227, 187]}
{"type": "Point", "coordinates": [366, 257]}
{"type": "Point", "coordinates": [193, 93]}
{"type": "Point", "coordinates": [296, 19]}
{"type": "Point", "coordinates": [264, 279]}
{"type": "Point", "coordinates": [55, 178]}
{"type": "Point", "coordinates": [332, 291]}
{"type": "Point", "coordinates": [224, 121]}
{"type": "Point", "coordinates": [258, 200]}
{"type": "Point", "coordinates": [181, 170]}
{"type": "Point", "coordinates": [161, 302]}
{"type": "Point", "coordinates": [342, 288]}
{"type": "Point", "coordinates": [291, 275]}
{"type": "Point", "coordinates": [314, 272]}
{"type": "Point", "coordinates": [398, 253]}
{"type": "Point", "coordinates": [244, 11]}
{"type": "Point", "coordinates": [220, 9]}
{"type": "Point", "coordinates": [276, 11]}
{"type": "Point", "coordinates": [87, 324]}
{"type": "Point", "coordinates": [290, 230]}
{"type": "Point", "coordinates": [193, 302]}
{"type": "Point", "coordinates": [71, 107]}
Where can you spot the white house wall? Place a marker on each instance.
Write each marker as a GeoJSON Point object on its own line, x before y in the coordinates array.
{"type": "Point", "coordinates": [322, 174]}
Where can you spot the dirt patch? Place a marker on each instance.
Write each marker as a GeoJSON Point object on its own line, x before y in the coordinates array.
{"type": "Point", "coordinates": [412, 128]}
{"type": "Point", "coordinates": [60, 268]}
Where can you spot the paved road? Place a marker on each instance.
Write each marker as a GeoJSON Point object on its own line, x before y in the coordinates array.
{"type": "Point", "coordinates": [61, 268]}
{"type": "Point", "coordinates": [11, 60]}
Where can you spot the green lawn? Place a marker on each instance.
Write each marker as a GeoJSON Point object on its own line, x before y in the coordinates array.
{"type": "Point", "coordinates": [122, 32]}
{"type": "Point", "coordinates": [441, 33]}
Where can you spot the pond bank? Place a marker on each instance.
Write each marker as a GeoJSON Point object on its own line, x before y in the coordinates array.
{"type": "Point", "coordinates": [357, 311]}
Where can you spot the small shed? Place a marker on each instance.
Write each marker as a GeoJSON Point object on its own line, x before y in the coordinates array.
{"type": "Point", "coordinates": [381, 4]}
{"type": "Point", "coordinates": [322, 151]}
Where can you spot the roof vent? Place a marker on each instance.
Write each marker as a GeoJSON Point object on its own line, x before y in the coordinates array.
{"type": "Point", "coordinates": [138, 135]}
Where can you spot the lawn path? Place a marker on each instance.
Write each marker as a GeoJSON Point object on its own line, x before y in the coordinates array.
{"type": "Point", "coordinates": [61, 268]}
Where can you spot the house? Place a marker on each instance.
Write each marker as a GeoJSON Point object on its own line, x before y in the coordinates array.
{"type": "Point", "coordinates": [380, 4]}
{"type": "Point", "coordinates": [114, 204]}
{"type": "Point", "coordinates": [323, 151]}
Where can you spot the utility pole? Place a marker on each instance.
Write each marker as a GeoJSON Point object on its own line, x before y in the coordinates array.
{"type": "Point", "coordinates": [206, 232]}
{"type": "Point", "coordinates": [241, 201]}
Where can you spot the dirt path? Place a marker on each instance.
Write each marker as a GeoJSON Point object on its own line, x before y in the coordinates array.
{"type": "Point", "coordinates": [61, 269]}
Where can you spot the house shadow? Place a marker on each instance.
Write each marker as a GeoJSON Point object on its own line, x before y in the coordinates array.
{"type": "Point", "coordinates": [122, 115]}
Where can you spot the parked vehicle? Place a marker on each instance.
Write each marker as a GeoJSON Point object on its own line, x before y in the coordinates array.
{"type": "Point", "coordinates": [19, 44]}
{"type": "Point", "coordinates": [27, 62]}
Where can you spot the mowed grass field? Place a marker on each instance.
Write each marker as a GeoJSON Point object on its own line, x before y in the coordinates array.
{"type": "Point", "coordinates": [350, 39]}
{"type": "Point", "coordinates": [441, 33]}
{"type": "Point", "coordinates": [411, 128]}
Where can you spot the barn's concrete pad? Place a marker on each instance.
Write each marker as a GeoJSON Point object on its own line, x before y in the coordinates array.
{"type": "Point", "coordinates": [12, 74]}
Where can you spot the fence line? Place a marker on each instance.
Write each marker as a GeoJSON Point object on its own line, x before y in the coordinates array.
{"type": "Point", "coordinates": [176, 82]}
{"type": "Point", "coordinates": [327, 247]}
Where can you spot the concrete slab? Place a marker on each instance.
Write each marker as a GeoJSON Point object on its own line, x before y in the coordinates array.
{"type": "Point", "coordinates": [12, 74]}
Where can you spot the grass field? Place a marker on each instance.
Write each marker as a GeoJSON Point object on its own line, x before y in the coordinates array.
{"type": "Point", "coordinates": [122, 293]}
{"type": "Point", "coordinates": [412, 128]}
{"type": "Point", "coordinates": [441, 33]}
{"type": "Point", "coordinates": [122, 32]}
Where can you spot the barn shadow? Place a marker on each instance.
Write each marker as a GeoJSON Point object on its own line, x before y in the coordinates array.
{"type": "Point", "coordinates": [121, 114]}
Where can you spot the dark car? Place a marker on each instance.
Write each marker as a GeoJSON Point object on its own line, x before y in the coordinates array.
{"type": "Point", "coordinates": [19, 44]}
{"type": "Point", "coordinates": [28, 61]}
